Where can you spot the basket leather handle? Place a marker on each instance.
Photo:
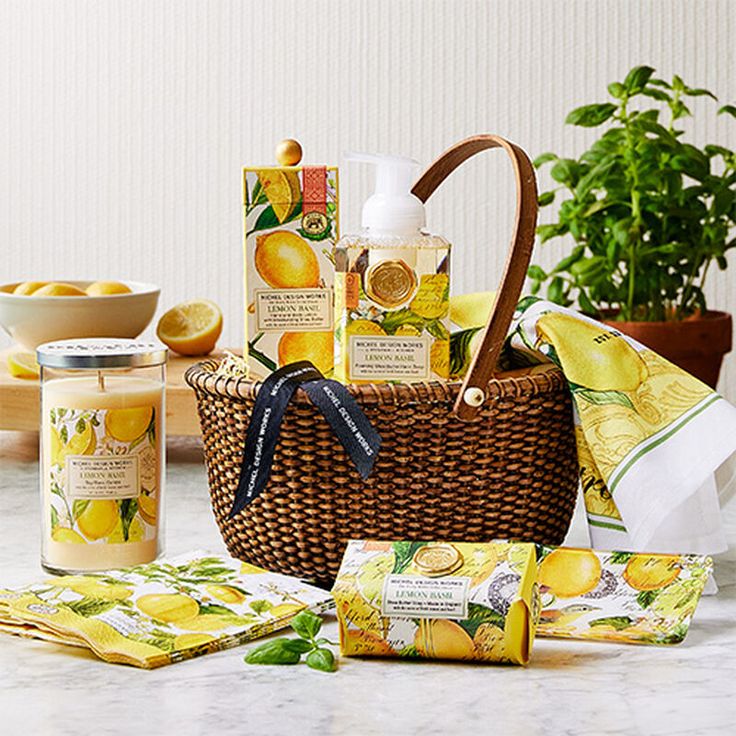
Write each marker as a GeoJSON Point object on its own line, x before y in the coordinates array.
{"type": "Point", "coordinates": [473, 391]}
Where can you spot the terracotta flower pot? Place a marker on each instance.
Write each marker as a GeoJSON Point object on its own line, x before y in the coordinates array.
{"type": "Point", "coordinates": [696, 344]}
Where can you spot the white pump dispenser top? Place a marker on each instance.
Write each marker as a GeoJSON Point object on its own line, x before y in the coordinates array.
{"type": "Point", "coordinates": [392, 209]}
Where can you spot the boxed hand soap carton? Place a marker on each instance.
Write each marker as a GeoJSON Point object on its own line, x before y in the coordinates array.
{"type": "Point", "coordinates": [291, 226]}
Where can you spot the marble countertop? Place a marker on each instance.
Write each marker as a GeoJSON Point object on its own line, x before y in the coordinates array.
{"type": "Point", "coordinates": [569, 688]}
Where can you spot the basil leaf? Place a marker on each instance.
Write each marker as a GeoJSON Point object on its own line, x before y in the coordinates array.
{"type": "Point", "coordinates": [589, 116]}
{"type": "Point", "coordinates": [322, 659]}
{"type": "Point", "coordinates": [307, 624]}
{"type": "Point", "coordinates": [301, 646]}
{"type": "Point", "coordinates": [273, 652]}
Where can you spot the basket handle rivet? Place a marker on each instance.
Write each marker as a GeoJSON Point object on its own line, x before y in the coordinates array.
{"type": "Point", "coordinates": [474, 396]}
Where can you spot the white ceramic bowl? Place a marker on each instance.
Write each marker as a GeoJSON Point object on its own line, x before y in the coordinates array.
{"type": "Point", "coordinates": [33, 320]}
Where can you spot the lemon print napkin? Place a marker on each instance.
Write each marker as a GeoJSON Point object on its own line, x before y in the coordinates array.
{"type": "Point", "coordinates": [650, 436]}
{"type": "Point", "coordinates": [162, 612]}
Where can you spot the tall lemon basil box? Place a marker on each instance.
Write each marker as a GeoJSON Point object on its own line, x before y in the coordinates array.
{"type": "Point", "coordinates": [291, 225]}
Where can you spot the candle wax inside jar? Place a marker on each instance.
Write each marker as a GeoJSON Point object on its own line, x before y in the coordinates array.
{"type": "Point", "coordinates": [102, 467]}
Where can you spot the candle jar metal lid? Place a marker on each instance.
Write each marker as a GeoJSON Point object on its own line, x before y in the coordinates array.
{"type": "Point", "coordinates": [99, 353]}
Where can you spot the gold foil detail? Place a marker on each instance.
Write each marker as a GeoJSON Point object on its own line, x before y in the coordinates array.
{"type": "Point", "coordinates": [438, 559]}
{"type": "Point", "coordinates": [390, 283]}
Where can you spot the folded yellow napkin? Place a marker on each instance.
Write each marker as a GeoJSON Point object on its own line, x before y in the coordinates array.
{"type": "Point", "coordinates": [650, 436]}
{"type": "Point", "coordinates": [162, 612]}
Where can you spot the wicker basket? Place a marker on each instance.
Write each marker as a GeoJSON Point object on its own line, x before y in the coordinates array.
{"type": "Point", "coordinates": [491, 457]}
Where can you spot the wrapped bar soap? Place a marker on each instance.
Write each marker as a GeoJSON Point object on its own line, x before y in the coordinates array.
{"type": "Point", "coordinates": [438, 600]}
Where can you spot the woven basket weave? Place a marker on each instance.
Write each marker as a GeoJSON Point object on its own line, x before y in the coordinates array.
{"type": "Point", "coordinates": [454, 464]}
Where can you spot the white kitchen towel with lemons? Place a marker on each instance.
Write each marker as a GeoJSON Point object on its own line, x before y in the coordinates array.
{"type": "Point", "coordinates": [650, 437]}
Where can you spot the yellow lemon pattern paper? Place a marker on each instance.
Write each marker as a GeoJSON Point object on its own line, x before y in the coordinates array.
{"type": "Point", "coordinates": [112, 510]}
{"type": "Point", "coordinates": [437, 600]}
{"type": "Point", "coordinates": [648, 434]}
{"type": "Point", "coordinates": [162, 612]}
{"type": "Point", "coordinates": [626, 597]}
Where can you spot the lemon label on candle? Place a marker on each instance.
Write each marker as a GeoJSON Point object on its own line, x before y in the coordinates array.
{"type": "Point", "coordinates": [103, 477]}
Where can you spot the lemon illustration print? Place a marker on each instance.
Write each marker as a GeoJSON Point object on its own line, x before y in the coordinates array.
{"type": "Point", "coordinates": [285, 261]}
{"type": "Point", "coordinates": [364, 327]}
{"type": "Point", "coordinates": [225, 593]}
{"type": "Point", "coordinates": [69, 536]}
{"type": "Point", "coordinates": [590, 355]}
{"type": "Point", "coordinates": [168, 607]}
{"type": "Point", "coordinates": [281, 189]}
{"type": "Point", "coordinates": [316, 347]}
{"type": "Point", "coordinates": [186, 641]}
{"type": "Point", "coordinates": [98, 519]}
{"type": "Point", "coordinates": [439, 358]}
{"type": "Point", "coordinates": [442, 639]}
{"type": "Point", "coordinates": [570, 572]}
{"type": "Point", "coordinates": [135, 532]}
{"type": "Point", "coordinates": [285, 609]}
{"type": "Point", "coordinates": [80, 443]}
{"type": "Point", "coordinates": [645, 572]}
{"type": "Point", "coordinates": [148, 508]}
{"type": "Point", "coordinates": [126, 425]}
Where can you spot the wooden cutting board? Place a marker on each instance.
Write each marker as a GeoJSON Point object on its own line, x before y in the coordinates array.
{"type": "Point", "coordinates": [19, 398]}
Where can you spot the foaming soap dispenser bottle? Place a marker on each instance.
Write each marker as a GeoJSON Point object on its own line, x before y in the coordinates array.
{"type": "Point", "coordinates": [392, 286]}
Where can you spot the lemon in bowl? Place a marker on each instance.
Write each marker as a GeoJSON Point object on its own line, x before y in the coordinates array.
{"type": "Point", "coordinates": [34, 312]}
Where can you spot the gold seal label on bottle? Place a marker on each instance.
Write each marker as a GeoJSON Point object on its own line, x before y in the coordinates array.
{"type": "Point", "coordinates": [438, 559]}
{"type": "Point", "coordinates": [390, 283]}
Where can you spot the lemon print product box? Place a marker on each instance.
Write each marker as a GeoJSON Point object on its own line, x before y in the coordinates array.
{"type": "Point", "coordinates": [291, 225]}
{"type": "Point", "coordinates": [438, 600]}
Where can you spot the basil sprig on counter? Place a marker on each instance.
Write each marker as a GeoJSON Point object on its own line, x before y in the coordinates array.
{"type": "Point", "coordinates": [289, 651]}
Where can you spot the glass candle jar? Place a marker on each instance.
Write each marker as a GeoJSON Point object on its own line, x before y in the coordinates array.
{"type": "Point", "coordinates": [102, 453]}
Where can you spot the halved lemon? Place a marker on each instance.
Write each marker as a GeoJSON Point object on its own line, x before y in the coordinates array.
{"type": "Point", "coordinates": [22, 365]}
{"type": "Point", "coordinates": [191, 328]}
{"type": "Point", "coordinates": [281, 189]}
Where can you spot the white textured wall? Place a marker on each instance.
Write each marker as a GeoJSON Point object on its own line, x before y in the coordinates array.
{"type": "Point", "coordinates": [123, 125]}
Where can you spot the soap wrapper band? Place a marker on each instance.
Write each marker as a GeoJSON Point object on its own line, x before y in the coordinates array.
{"type": "Point", "coordinates": [438, 600]}
{"type": "Point", "coordinates": [348, 422]}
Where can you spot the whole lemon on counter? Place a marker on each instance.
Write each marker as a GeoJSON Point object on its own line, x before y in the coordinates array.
{"type": "Point", "coordinates": [106, 288]}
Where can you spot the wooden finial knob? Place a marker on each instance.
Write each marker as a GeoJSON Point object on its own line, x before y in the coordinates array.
{"type": "Point", "coordinates": [288, 152]}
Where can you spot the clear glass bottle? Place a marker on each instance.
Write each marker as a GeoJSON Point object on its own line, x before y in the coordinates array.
{"type": "Point", "coordinates": [392, 287]}
{"type": "Point", "coordinates": [102, 453]}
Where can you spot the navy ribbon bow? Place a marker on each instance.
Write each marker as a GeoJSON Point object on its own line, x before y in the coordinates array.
{"type": "Point", "coordinates": [348, 422]}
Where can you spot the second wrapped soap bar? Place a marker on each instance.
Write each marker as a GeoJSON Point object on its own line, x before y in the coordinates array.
{"type": "Point", "coordinates": [438, 600]}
